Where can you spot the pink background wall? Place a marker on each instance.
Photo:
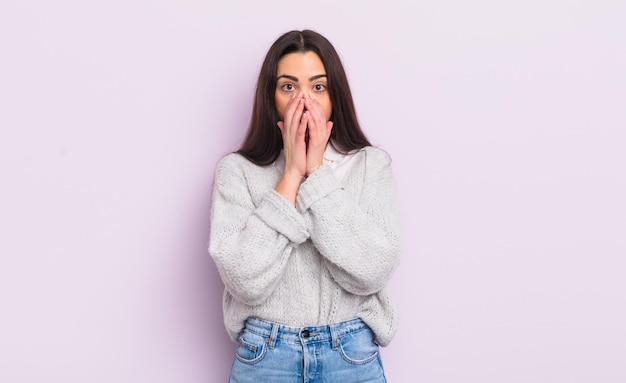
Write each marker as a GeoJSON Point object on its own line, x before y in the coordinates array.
{"type": "Point", "coordinates": [506, 122]}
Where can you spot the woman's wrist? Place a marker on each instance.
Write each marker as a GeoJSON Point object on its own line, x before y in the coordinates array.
{"type": "Point", "coordinates": [288, 186]}
{"type": "Point", "coordinates": [312, 169]}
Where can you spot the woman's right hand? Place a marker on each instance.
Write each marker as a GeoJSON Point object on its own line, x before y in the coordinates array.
{"type": "Point", "coordinates": [293, 130]}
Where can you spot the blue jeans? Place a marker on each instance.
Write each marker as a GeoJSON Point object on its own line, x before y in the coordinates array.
{"type": "Point", "coordinates": [343, 352]}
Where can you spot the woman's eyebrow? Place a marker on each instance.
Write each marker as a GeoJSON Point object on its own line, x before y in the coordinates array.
{"type": "Point", "coordinates": [317, 76]}
{"type": "Point", "coordinates": [295, 79]}
{"type": "Point", "coordinates": [288, 77]}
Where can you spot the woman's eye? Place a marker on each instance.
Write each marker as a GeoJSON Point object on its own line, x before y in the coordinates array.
{"type": "Point", "coordinates": [288, 87]}
{"type": "Point", "coordinates": [320, 87]}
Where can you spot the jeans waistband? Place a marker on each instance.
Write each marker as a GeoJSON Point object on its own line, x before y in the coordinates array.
{"type": "Point", "coordinates": [332, 333]}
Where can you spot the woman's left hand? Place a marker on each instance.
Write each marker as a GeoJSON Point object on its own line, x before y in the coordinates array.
{"type": "Point", "coordinates": [318, 134]}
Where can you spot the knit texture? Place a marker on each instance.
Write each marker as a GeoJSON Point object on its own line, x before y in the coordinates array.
{"type": "Point", "coordinates": [323, 261]}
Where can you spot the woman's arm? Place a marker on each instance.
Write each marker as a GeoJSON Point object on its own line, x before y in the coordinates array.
{"type": "Point", "coordinates": [358, 236]}
{"type": "Point", "coordinates": [250, 244]}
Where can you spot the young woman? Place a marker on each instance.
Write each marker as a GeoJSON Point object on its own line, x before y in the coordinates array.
{"type": "Point", "coordinates": [305, 228]}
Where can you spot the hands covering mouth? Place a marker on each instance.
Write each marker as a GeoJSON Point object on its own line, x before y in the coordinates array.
{"type": "Point", "coordinates": [305, 134]}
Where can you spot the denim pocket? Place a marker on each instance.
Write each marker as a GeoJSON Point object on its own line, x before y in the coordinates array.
{"type": "Point", "coordinates": [252, 348]}
{"type": "Point", "coordinates": [358, 348]}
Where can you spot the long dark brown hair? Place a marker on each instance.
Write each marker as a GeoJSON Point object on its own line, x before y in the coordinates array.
{"type": "Point", "coordinates": [263, 141]}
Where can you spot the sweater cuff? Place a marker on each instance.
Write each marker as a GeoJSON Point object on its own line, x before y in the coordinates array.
{"type": "Point", "coordinates": [317, 186]}
{"type": "Point", "coordinates": [281, 216]}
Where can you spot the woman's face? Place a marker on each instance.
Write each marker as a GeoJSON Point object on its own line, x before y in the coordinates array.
{"type": "Point", "coordinates": [301, 73]}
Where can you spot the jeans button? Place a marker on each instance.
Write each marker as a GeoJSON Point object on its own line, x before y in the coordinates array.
{"type": "Point", "coordinates": [305, 334]}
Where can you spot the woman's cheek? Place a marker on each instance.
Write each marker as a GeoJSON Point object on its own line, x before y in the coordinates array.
{"type": "Point", "coordinates": [281, 105]}
{"type": "Point", "coordinates": [280, 109]}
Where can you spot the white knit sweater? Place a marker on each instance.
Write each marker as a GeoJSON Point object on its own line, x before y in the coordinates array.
{"type": "Point", "coordinates": [324, 261]}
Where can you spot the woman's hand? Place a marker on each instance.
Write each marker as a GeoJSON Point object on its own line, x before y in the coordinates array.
{"type": "Point", "coordinates": [318, 134]}
{"type": "Point", "coordinates": [293, 129]}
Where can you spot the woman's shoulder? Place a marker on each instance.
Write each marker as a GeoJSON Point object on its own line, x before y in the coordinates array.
{"type": "Point", "coordinates": [235, 160]}
{"type": "Point", "coordinates": [236, 163]}
{"type": "Point", "coordinates": [376, 154]}
{"type": "Point", "coordinates": [231, 159]}
{"type": "Point", "coordinates": [230, 164]}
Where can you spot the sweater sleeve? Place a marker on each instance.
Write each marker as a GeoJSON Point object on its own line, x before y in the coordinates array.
{"type": "Point", "coordinates": [358, 236]}
{"type": "Point", "coordinates": [250, 244]}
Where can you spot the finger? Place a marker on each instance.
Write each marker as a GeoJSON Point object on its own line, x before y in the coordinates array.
{"type": "Point", "coordinates": [314, 106]}
{"type": "Point", "coordinates": [318, 127]}
{"type": "Point", "coordinates": [291, 108]}
{"type": "Point", "coordinates": [302, 126]}
{"type": "Point", "coordinates": [329, 127]}
{"type": "Point", "coordinates": [281, 126]}
{"type": "Point", "coordinates": [296, 118]}
{"type": "Point", "coordinates": [310, 119]}
{"type": "Point", "coordinates": [317, 113]}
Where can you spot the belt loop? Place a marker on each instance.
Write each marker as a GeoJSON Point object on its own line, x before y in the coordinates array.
{"type": "Point", "coordinates": [273, 335]}
{"type": "Point", "coordinates": [333, 336]}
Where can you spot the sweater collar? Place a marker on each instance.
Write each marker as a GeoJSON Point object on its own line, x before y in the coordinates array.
{"type": "Point", "coordinates": [332, 155]}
